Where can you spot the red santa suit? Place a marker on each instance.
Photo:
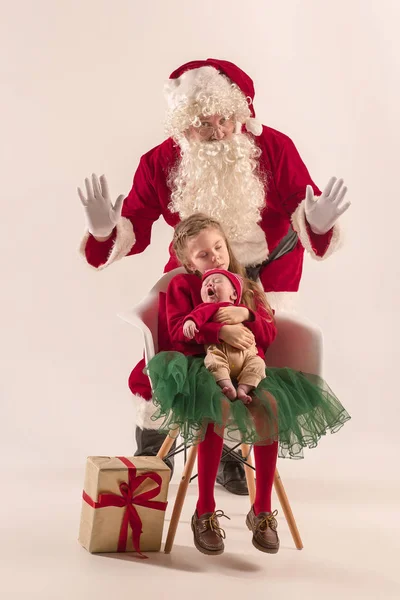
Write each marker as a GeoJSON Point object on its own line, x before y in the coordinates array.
{"type": "Point", "coordinates": [287, 178]}
{"type": "Point", "coordinates": [284, 205]}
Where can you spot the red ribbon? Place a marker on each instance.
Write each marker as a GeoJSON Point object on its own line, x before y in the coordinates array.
{"type": "Point", "coordinates": [127, 500]}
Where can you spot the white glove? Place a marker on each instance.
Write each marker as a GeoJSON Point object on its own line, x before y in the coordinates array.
{"type": "Point", "coordinates": [323, 212]}
{"type": "Point", "coordinates": [101, 215]}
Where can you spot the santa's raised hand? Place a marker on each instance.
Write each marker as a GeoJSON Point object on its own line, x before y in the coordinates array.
{"type": "Point", "coordinates": [323, 212]}
{"type": "Point", "coordinates": [101, 215]}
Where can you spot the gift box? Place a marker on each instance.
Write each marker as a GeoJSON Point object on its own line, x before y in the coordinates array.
{"type": "Point", "coordinates": [124, 503]}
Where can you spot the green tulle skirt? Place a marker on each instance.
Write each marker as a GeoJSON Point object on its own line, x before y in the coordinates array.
{"type": "Point", "coordinates": [288, 406]}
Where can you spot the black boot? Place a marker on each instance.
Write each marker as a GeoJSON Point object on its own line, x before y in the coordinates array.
{"type": "Point", "coordinates": [149, 441]}
{"type": "Point", "coordinates": [231, 473]}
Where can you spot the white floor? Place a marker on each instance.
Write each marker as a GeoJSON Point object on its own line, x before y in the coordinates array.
{"type": "Point", "coordinates": [350, 532]}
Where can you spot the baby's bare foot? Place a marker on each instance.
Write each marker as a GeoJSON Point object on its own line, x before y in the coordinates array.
{"type": "Point", "coordinates": [243, 395]}
{"type": "Point", "coordinates": [228, 389]}
{"type": "Point", "coordinates": [229, 392]}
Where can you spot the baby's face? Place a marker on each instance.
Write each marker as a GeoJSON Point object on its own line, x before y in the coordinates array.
{"type": "Point", "coordinates": [217, 288]}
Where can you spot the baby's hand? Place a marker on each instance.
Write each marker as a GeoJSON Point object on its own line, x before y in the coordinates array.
{"type": "Point", "coordinates": [190, 329]}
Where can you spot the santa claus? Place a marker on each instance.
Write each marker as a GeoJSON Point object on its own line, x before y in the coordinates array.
{"type": "Point", "coordinates": [219, 160]}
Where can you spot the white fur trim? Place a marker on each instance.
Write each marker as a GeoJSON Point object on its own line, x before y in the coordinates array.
{"type": "Point", "coordinates": [123, 243]}
{"type": "Point", "coordinates": [300, 226]}
{"type": "Point", "coordinates": [286, 301]}
{"type": "Point", "coordinates": [254, 126]}
{"type": "Point", "coordinates": [144, 411]}
{"type": "Point", "coordinates": [83, 243]}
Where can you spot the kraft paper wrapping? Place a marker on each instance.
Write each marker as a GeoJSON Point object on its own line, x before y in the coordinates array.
{"type": "Point", "coordinates": [100, 527]}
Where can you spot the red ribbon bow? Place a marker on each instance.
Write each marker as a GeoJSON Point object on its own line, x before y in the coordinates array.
{"type": "Point", "coordinates": [127, 500]}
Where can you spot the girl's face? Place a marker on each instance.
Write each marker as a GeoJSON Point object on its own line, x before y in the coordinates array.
{"type": "Point", "coordinates": [207, 250]}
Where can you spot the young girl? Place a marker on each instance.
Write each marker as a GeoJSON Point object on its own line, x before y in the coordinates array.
{"type": "Point", "coordinates": [288, 407]}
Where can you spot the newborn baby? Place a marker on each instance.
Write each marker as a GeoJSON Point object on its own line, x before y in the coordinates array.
{"type": "Point", "coordinates": [222, 288]}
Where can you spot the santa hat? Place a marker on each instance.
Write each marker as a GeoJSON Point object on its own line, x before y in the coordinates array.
{"type": "Point", "coordinates": [235, 280]}
{"type": "Point", "coordinates": [209, 87]}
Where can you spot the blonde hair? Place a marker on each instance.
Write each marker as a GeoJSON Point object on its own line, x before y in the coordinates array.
{"type": "Point", "coordinates": [252, 294]}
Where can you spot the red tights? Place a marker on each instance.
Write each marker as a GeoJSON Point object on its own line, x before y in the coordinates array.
{"type": "Point", "coordinates": [209, 456]}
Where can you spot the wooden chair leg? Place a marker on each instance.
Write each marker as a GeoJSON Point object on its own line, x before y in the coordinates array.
{"type": "Point", "coordinates": [283, 499]}
{"type": "Point", "coordinates": [180, 498]}
{"type": "Point", "coordinates": [166, 445]}
{"type": "Point", "coordinates": [249, 472]}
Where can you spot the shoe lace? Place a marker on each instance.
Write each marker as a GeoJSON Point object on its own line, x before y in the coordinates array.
{"type": "Point", "coordinates": [212, 523]}
{"type": "Point", "coordinates": [268, 521]}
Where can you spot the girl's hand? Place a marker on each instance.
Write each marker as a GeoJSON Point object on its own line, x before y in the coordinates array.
{"type": "Point", "coordinates": [232, 315]}
{"type": "Point", "coordinates": [190, 329]}
{"type": "Point", "coordinates": [237, 336]}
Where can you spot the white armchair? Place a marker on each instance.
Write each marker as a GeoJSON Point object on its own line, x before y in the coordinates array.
{"type": "Point", "coordinates": [298, 345]}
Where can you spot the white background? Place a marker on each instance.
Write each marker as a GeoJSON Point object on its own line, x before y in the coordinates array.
{"type": "Point", "coordinates": [81, 92]}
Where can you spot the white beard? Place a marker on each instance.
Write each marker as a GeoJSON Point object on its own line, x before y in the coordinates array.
{"type": "Point", "coordinates": [220, 179]}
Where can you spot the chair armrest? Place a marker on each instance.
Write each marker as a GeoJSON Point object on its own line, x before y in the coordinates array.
{"type": "Point", "coordinates": [298, 344]}
{"type": "Point", "coordinates": [132, 318]}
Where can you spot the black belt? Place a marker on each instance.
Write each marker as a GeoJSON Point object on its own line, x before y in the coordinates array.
{"type": "Point", "coordinates": [287, 244]}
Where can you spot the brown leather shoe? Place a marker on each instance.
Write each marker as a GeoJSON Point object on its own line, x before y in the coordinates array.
{"type": "Point", "coordinates": [208, 535]}
{"type": "Point", "coordinates": [264, 526]}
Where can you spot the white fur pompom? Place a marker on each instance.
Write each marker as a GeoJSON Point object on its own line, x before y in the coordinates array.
{"type": "Point", "coordinates": [254, 126]}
